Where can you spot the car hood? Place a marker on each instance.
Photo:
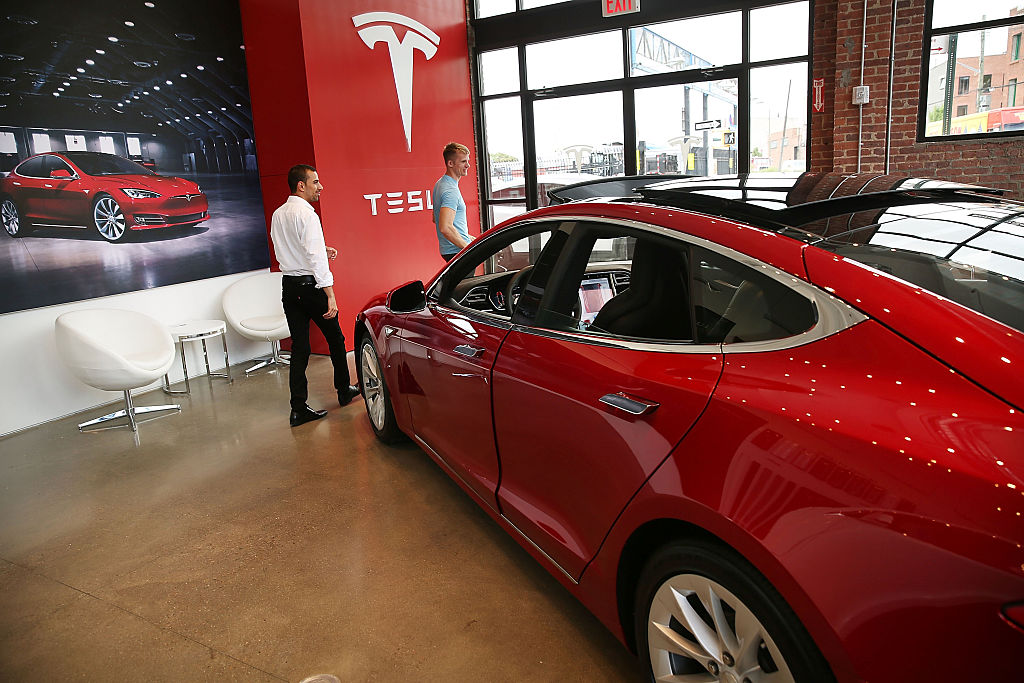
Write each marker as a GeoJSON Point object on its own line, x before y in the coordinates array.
{"type": "Point", "coordinates": [166, 185]}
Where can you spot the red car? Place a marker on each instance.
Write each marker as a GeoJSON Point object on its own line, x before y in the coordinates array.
{"type": "Point", "coordinates": [765, 429]}
{"type": "Point", "coordinates": [97, 190]}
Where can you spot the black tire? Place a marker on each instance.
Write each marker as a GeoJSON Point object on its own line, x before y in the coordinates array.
{"type": "Point", "coordinates": [376, 396]}
{"type": "Point", "coordinates": [108, 219]}
{"type": "Point", "coordinates": [14, 223]}
{"type": "Point", "coordinates": [699, 570]}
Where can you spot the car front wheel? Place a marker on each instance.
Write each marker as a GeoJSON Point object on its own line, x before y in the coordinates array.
{"type": "Point", "coordinates": [376, 395]}
{"type": "Point", "coordinates": [14, 224]}
{"type": "Point", "coordinates": [704, 612]}
{"type": "Point", "coordinates": [109, 219]}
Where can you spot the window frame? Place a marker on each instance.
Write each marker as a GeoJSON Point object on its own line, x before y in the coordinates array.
{"type": "Point", "coordinates": [577, 18]}
{"type": "Point", "coordinates": [922, 110]}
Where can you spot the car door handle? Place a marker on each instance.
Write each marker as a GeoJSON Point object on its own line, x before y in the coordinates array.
{"type": "Point", "coordinates": [467, 350]}
{"type": "Point", "coordinates": [629, 404]}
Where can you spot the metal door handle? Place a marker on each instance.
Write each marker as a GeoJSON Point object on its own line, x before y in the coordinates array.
{"type": "Point", "coordinates": [467, 350]}
{"type": "Point", "coordinates": [629, 404]}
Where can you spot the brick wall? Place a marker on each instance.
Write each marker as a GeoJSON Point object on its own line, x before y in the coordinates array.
{"type": "Point", "coordinates": [834, 132]}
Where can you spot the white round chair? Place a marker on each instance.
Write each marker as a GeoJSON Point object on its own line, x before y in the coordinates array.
{"type": "Point", "coordinates": [115, 350]}
{"type": "Point", "coordinates": [253, 308]}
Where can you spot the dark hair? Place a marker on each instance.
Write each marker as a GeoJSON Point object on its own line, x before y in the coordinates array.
{"type": "Point", "coordinates": [298, 174]}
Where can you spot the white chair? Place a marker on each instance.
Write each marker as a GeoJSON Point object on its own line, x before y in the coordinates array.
{"type": "Point", "coordinates": [115, 350]}
{"type": "Point", "coordinates": [253, 307]}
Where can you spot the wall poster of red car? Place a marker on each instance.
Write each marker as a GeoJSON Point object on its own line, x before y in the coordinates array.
{"type": "Point", "coordinates": [126, 150]}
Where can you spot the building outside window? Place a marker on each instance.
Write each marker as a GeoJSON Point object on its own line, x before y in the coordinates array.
{"type": "Point", "coordinates": [972, 43]}
{"type": "Point", "coordinates": [677, 92]}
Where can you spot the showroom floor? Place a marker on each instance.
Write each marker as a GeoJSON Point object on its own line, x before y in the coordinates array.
{"type": "Point", "coordinates": [226, 546]}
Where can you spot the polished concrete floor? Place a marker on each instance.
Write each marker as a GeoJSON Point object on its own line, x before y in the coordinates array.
{"type": "Point", "coordinates": [223, 545]}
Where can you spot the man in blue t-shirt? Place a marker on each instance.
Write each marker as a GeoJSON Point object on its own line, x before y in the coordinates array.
{"type": "Point", "coordinates": [449, 209]}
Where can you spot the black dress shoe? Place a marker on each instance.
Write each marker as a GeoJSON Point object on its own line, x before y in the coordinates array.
{"type": "Point", "coordinates": [306, 414]}
{"type": "Point", "coordinates": [346, 395]}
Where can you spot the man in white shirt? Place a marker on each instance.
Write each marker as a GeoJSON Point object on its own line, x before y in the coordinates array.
{"type": "Point", "coordinates": [308, 290]}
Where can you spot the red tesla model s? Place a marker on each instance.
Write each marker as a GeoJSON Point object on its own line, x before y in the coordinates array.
{"type": "Point", "coordinates": [93, 189]}
{"type": "Point", "coordinates": [765, 428]}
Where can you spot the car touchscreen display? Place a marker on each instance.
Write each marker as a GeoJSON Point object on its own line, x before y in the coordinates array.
{"type": "Point", "coordinates": [594, 293]}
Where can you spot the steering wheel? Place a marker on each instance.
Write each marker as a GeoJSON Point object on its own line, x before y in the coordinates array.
{"type": "Point", "coordinates": [513, 294]}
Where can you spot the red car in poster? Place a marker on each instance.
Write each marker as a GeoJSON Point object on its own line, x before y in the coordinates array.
{"type": "Point", "coordinates": [766, 429]}
{"type": "Point", "coordinates": [96, 190]}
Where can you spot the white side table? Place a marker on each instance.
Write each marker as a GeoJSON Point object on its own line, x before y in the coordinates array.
{"type": "Point", "coordinates": [198, 330]}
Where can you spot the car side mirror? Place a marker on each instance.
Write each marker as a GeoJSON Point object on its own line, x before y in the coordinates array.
{"type": "Point", "coordinates": [408, 298]}
{"type": "Point", "coordinates": [60, 173]}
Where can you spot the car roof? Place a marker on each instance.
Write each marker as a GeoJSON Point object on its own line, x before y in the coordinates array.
{"type": "Point", "coordinates": [779, 201]}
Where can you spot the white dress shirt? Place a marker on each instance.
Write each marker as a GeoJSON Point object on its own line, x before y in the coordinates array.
{"type": "Point", "coordinates": [298, 241]}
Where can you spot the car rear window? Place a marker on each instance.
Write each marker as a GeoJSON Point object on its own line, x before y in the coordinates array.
{"type": "Point", "coordinates": [970, 253]}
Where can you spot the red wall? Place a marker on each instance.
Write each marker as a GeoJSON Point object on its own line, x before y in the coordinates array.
{"type": "Point", "coordinates": [321, 96]}
{"type": "Point", "coordinates": [837, 53]}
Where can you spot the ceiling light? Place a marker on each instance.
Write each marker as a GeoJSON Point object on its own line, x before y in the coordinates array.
{"type": "Point", "coordinates": [241, 47]}
{"type": "Point", "coordinates": [89, 62]}
{"type": "Point", "coordinates": [135, 97]}
{"type": "Point", "coordinates": [80, 70]}
{"type": "Point", "coordinates": [142, 65]}
{"type": "Point", "coordinates": [56, 94]}
{"type": "Point", "coordinates": [209, 111]}
{"type": "Point", "coordinates": [184, 36]}
{"type": "Point", "coordinates": [177, 120]}
{"type": "Point", "coordinates": [150, 5]}
{"type": "Point", "coordinates": [159, 124]}
{"type": "Point", "coordinates": [112, 39]}
{"type": "Point", "coordinates": [184, 75]}
{"type": "Point", "coordinates": [129, 24]}
{"type": "Point", "coordinates": [120, 104]}
{"type": "Point", "coordinates": [156, 87]}
{"type": "Point", "coordinates": [200, 67]}
{"type": "Point", "coordinates": [95, 95]}
{"type": "Point", "coordinates": [237, 104]}
{"type": "Point", "coordinates": [101, 52]}
{"type": "Point", "coordinates": [223, 108]}
{"type": "Point", "coordinates": [58, 90]}
{"type": "Point", "coordinates": [72, 78]}
{"type": "Point", "coordinates": [169, 82]}
{"type": "Point", "coordinates": [67, 83]}
{"type": "Point", "coordinates": [145, 92]}
{"type": "Point", "coordinates": [220, 59]}
{"type": "Point", "coordinates": [186, 118]}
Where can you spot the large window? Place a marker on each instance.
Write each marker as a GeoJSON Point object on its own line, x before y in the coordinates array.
{"type": "Point", "coordinates": [972, 70]}
{"type": "Point", "coordinates": [673, 89]}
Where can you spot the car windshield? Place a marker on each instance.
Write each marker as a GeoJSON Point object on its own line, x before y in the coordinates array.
{"type": "Point", "coordinates": [970, 253]}
{"type": "Point", "coordinates": [96, 163]}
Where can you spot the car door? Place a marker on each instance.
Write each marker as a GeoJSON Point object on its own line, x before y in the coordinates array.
{"type": "Point", "coordinates": [27, 184]}
{"type": "Point", "coordinates": [584, 414]}
{"type": "Point", "coordinates": [448, 350]}
{"type": "Point", "coordinates": [62, 197]}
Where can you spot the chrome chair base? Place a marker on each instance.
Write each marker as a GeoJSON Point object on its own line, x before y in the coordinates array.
{"type": "Point", "coordinates": [277, 358]}
{"type": "Point", "coordinates": [129, 411]}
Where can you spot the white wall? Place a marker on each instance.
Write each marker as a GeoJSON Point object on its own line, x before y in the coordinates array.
{"type": "Point", "coordinates": [35, 387]}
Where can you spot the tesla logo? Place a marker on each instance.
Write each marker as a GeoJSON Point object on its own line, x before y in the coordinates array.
{"type": "Point", "coordinates": [376, 27]}
{"type": "Point", "coordinates": [397, 202]}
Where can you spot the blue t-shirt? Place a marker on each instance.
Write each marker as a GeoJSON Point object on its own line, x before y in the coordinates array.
{"type": "Point", "coordinates": [447, 195]}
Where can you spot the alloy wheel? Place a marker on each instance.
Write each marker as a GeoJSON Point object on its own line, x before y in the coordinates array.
{"type": "Point", "coordinates": [372, 393]}
{"type": "Point", "coordinates": [9, 217]}
{"type": "Point", "coordinates": [696, 627]}
{"type": "Point", "coordinates": [109, 219]}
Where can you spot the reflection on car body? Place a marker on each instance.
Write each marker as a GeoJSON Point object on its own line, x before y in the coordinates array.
{"type": "Point", "coordinates": [97, 190]}
{"type": "Point", "coordinates": [765, 428]}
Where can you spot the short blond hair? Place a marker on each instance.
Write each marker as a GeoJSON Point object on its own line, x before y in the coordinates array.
{"type": "Point", "coordinates": [453, 149]}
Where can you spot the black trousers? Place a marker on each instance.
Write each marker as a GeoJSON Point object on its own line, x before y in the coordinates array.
{"type": "Point", "coordinates": [303, 302]}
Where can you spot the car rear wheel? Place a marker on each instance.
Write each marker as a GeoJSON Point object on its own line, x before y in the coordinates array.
{"type": "Point", "coordinates": [376, 395]}
{"type": "Point", "coordinates": [109, 219]}
{"type": "Point", "coordinates": [14, 224]}
{"type": "Point", "coordinates": [704, 611]}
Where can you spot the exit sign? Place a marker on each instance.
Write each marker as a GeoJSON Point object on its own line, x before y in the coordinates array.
{"type": "Point", "coordinates": [613, 8]}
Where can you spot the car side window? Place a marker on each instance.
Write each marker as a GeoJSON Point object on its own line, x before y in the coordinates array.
{"type": "Point", "coordinates": [622, 284]}
{"type": "Point", "coordinates": [735, 303]}
{"type": "Point", "coordinates": [33, 168]}
{"type": "Point", "coordinates": [55, 163]}
{"type": "Point", "coordinates": [491, 277]}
